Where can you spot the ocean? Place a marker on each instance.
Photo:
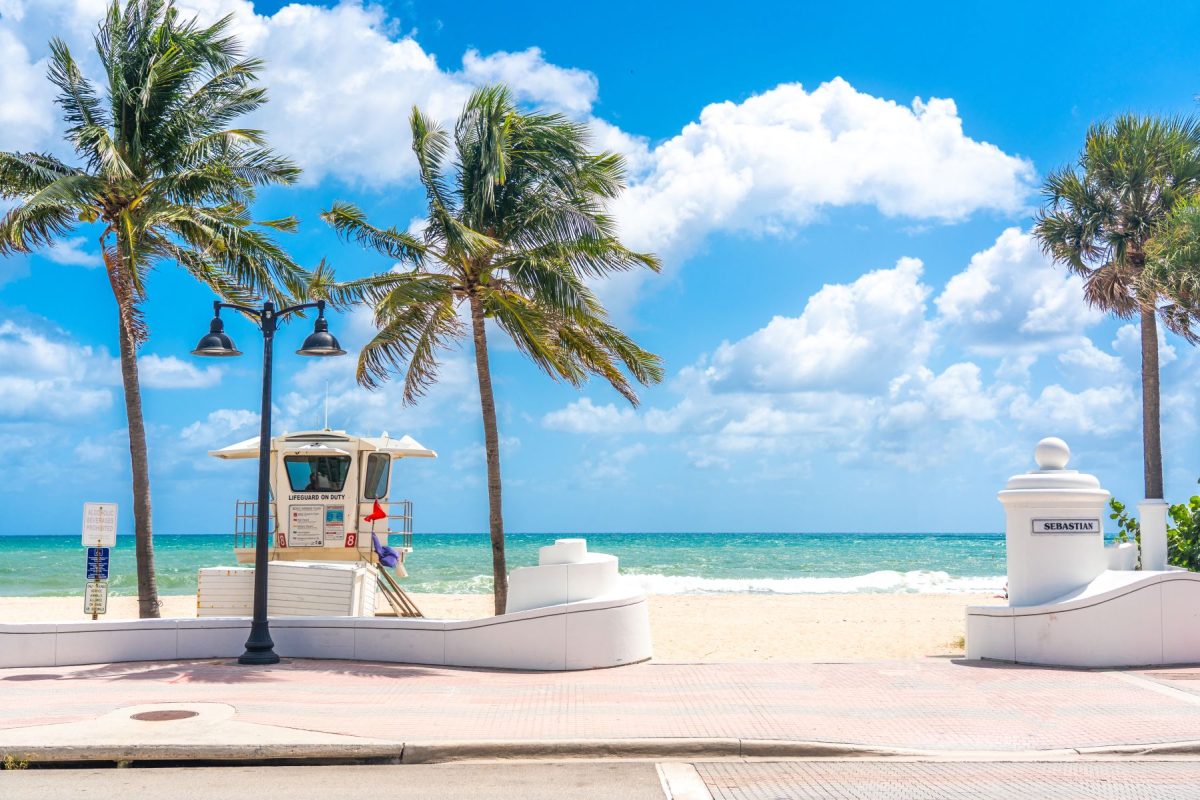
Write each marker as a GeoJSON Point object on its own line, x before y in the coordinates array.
{"type": "Point", "coordinates": [661, 563]}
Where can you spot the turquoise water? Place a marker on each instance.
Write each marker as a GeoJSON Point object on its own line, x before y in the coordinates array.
{"type": "Point", "coordinates": [663, 563]}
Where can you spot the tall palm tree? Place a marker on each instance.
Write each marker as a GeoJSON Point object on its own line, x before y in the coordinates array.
{"type": "Point", "coordinates": [164, 178]}
{"type": "Point", "coordinates": [1102, 214]}
{"type": "Point", "coordinates": [512, 236]}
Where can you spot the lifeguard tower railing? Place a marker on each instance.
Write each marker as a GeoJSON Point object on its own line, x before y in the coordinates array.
{"type": "Point", "coordinates": [245, 523]}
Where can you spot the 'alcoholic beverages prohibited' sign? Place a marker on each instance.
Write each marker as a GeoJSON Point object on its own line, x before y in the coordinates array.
{"type": "Point", "coordinates": [1066, 526]}
{"type": "Point", "coordinates": [97, 563]}
{"type": "Point", "coordinates": [99, 524]}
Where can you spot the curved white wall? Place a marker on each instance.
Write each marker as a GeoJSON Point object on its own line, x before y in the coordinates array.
{"type": "Point", "coordinates": [1120, 619]}
{"type": "Point", "coordinates": [590, 634]}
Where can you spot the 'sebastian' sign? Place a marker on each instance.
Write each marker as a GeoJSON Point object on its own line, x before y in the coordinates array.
{"type": "Point", "coordinates": [1066, 526]}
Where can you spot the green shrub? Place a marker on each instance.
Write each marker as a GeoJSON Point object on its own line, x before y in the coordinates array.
{"type": "Point", "coordinates": [1183, 539]}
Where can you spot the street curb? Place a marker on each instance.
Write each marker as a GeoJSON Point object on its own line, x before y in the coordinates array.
{"type": "Point", "coordinates": [72, 754]}
{"type": "Point", "coordinates": [553, 749]}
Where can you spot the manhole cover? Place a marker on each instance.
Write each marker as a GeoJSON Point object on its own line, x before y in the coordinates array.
{"type": "Point", "coordinates": [163, 716]}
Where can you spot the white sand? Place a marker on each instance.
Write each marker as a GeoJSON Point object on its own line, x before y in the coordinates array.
{"type": "Point", "coordinates": [727, 627]}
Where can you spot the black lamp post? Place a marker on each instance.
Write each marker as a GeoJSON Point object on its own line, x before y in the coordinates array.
{"type": "Point", "coordinates": [259, 647]}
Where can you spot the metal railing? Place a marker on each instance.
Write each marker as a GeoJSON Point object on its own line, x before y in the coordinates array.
{"type": "Point", "coordinates": [245, 523]}
{"type": "Point", "coordinates": [399, 523]}
{"type": "Point", "coordinates": [399, 519]}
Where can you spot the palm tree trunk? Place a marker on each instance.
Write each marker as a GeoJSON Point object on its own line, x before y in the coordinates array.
{"type": "Point", "coordinates": [1151, 434]}
{"type": "Point", "coordinates": [491, 441]}
{"type": "Point", "coordinates": [143, 531]}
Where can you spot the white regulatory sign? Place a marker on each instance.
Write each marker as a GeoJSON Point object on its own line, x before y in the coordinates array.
{"type": "Point", "coordinates": [1066, 525]}
{"type": "Point", "coordinates": [99, 524]}
{"type": "Point", "coordinates": [95, 597]}
{"type": "Point", "coordinates": [307, 528]}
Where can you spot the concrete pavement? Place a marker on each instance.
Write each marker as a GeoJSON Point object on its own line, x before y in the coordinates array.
{"type": "Point", "coordinates": [590, 780]}
{"type": "Point", "coordinates": [578, 781]}
{"type": "Point", "coordinates": [393, 713]}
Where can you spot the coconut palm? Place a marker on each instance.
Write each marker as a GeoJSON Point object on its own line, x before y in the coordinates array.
{"type": "Point", "coordinates": [1101, 216]}
{"type": "Point", "coordinates": [511, 236]}
{"type": "Point", "coordinates": [164, 179]}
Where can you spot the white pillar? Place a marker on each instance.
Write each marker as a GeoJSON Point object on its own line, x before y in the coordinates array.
{"type": "Point", "coordinates": [1054, 527]}
{"type": "Point", "coordinates": [1153, 514]}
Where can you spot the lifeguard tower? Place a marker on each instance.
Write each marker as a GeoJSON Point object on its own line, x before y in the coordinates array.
{"type": "Point", "coordinates": [331, 502]}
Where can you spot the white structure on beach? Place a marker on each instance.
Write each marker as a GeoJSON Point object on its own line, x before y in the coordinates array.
{"type": "Point", "coordinates": [569, 612]}
{"type": "Point", "coordinates": [1072, 600]}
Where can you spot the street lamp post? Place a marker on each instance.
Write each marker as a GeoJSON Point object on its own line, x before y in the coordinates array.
{"type": "Point", "coordinates": [259, 647]}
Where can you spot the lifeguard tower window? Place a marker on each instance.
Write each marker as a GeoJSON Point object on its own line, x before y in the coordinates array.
{"type": "Point", "coordinates": [317, 473]}
{"type": "Point", "coordinates": [375, 484]}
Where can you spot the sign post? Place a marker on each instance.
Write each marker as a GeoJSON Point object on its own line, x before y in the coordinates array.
{"type": "Point", "coordinates": [99, 535]}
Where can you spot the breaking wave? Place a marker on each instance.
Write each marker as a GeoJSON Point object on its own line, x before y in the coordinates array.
{"type": "Point", "coordinates": [881, 582]}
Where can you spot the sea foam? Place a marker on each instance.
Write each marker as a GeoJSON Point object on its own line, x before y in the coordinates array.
{"type": "Point", "coordinates": [883, 581]}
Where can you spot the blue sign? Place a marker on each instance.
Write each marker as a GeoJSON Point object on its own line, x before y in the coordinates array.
{"type": "Point", "coordinates": [97, 563]}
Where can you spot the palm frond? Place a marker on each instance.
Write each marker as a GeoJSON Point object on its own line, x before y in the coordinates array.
{"type": "Point", "coordinates": [351, 224]}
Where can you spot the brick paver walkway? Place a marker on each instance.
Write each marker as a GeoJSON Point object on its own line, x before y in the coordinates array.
{"type": "Point", "coordinates": [874, 780]}
{"type": "Point", "coordinates": [929, 704]}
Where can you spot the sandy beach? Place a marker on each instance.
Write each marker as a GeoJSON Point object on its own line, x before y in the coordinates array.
{"type": "Point", "coordinates": [712, 627]}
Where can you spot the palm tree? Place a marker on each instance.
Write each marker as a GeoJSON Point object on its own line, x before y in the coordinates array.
{"type": "Point", "coordinates": [1101, 216]}
{"type": "Point", "coordinates": [164, 178]}
{"type": "Point", "coordinates": [512, 237]}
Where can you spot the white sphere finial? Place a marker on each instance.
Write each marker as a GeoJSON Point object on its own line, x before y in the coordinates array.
{"type": "Point", "coordinates": [1052, 453]}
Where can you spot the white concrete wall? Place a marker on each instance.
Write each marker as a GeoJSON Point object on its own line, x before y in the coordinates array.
{"type": "Point", "coordinates": [590, 634]}
{"type": "Point", "coordinates": [1121, 619]}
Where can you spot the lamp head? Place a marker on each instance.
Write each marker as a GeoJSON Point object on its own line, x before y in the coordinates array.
{"type": "Point", "coordinates": [321, 342]}
{"type": "Point", "coordinates": [216, 343]}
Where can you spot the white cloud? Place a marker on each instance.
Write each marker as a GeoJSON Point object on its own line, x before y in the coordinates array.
{"type": "Point", "coordinates": [1092, 360]}
{"type": "Point", "coordinates": [856, 374]}
{"type": "Point", "coordinates": [613, 465]}
{"type": "Point", "coordinates": [72, 252]}
{"type": "Point", "coordinates": [1011, 296]}
{"type": "Point", "coordinates": [571, 90]}
{"type": "Point", "coordinates": [47, 376]}
{"type": "Point", "coordinates": [1103, 411]}
{"type": "Point", "coordinates": [850, 337]}
{"type": "Point", "coordinates": [170, 372]}
{"type": "Point", "coordinates": [1128, 344]}
{"type": "Point", "coordinates": [584, 416]}
{"type": "Point", "coordinates": [777, 158]}
{"type": "Point", "coordinates": [27, 113]}
{"type": "Point", "coordinates": [220, 428]}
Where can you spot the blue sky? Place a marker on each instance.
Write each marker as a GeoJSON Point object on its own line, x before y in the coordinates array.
{"type": "Point", "coordinates": [859, 332]}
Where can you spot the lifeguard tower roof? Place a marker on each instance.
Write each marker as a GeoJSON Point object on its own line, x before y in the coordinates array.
{"type": "Point", "coordinates": [403, 447]}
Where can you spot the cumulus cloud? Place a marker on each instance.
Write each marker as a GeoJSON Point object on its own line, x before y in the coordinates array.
{"type": "Point", "coordinates": [777, 158]}
{"type": "Point", "coordinates": [573, 91]}
{"type": "Point", "coordinates": [220, 428]}
{"type": "Point", "coordinates": [1011, 296]}
{"type": "Point", "coordinates": [1128, 344]}
{"type": "Point", "coordinates": [73, 252]}
{"type": "Point", "coordinates": [45, 375]}
{"type": "Point", "coordinates": [849, 337]}
{"type": "Point", "coordinates": [584, 416]}
{"type": "Point", "coordinates": [767, 164]}
{"type": "Point", "coordinates": [170, 372]}
{"type": "Point", "coordinates": [860, 373]}
{"type": "Point", "coordinates": [1101, 411]}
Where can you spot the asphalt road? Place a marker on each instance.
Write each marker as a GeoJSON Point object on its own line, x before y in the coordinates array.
{"type": "Point", "coordinates": [558, 781]}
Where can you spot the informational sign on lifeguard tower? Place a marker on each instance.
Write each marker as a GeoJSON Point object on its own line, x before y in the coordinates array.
{"type": "Point", "coordinates": [99, 524]}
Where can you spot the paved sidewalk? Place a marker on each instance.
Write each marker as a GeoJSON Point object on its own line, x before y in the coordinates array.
{"type": "Point", "coordinates": [860, 780]}
{"type": "Point", "coordinates": [381, 710]}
